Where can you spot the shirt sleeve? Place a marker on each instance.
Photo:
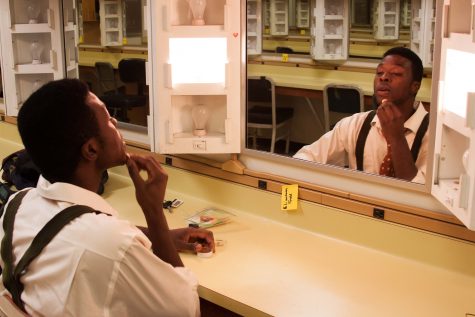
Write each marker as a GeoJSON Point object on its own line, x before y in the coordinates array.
{"type": "Point", "coordinates": [421, 162]}
{"type": "Point", "coordinates": [148, 286]}
{"type": "Point", "coordinates": [331, 148]}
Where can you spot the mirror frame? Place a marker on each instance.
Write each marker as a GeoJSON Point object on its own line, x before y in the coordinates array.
{"type": "Point", "coordinates": [338, 178]}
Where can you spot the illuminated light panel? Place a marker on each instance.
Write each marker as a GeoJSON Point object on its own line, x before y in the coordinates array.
{"type": "Point", "coordinates": [458, 81]}
{"type": "Point", "coordinates": [198, 60]}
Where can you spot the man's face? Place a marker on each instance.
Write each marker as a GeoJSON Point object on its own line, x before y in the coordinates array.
{"type": "Point", "coordinates": [393, 80]}
{"type": "Point", "coordinates": [112, 152]}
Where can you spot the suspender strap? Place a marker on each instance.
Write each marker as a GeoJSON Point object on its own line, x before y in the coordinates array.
{"type": "Point", "coordinates": [416, 145]}
{"type": "Point", "coordinates": [11, 277]}
{"type": "Point", "coordinates": [360, 142]}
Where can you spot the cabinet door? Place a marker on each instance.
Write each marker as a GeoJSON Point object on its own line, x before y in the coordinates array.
{"type": "Point", "coordinates": [254, 27]}
{"type": "Point", "coordinates": [89, 10]}
{"type": "Point", "coordinates": [454, 163]}
{"type": "Point", "coordinates": [196, 86]}
{"type": "Point", "coordinates": [329, 31]}
{"type": "Point", "coordinates": [423, 30]}
{"type": "Point", "coordinates": [32, 48]}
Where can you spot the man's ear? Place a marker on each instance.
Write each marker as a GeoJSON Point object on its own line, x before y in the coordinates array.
{"type": "Point", "coordinates": [415, 87]}
{"type": "Point", "coordinates": [90, 149]}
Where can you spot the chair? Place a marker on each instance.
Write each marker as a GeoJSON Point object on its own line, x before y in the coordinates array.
{"type": "Point", "coordinates": [264, 114]}
{"type": "Point", "coordinates": [284, 49]}
{"type": "Point", "coordinates": [106, 76]}
{"type": "Point", "coordinates": [131, 71]}
{"type": "Point", "coordinates": [342, 99]}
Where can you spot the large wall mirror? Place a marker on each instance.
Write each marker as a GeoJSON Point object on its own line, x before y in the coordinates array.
{"type": "Point", "coordinates": [113, 50]}
{"type": "Point", "coordinates": [297, 79]}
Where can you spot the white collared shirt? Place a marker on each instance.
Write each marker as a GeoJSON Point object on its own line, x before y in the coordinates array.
{"type": "Point", "coordinates": [337, 147]}
{"type": "Point", "coordinates": [97, 265]}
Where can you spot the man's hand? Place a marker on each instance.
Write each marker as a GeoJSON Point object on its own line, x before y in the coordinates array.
{"type": "Point", "coordinates": [149, 191]}
{"type": "Point", "coordinates": [392, 121]}
{"type": "Point", "coordinates": [193, 239]}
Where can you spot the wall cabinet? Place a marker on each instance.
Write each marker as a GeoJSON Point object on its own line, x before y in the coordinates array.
{"type": "Point", "coordinates": [386, 19]}
{"type": "Point", "coordinates": [111, 15]}
{"type": "Point", "coordinates": [454, 171]}
{"type": "Point", "coordinates": [35, 40]}
{"type": "Point", "coordinates": [302, 14]}
{"type": "Point", "coordinates": [195, 77]}
{"type": "Point", "coordinates": [279, 17]}
{"type": "Point", "coordinates": [254, 27]}
{"type": "Point", "coordinates": [423, 30]}
{"type": "Point", "coordinates": [329, 31]}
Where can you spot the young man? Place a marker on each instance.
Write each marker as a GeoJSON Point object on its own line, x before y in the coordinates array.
{"type": "Point", "coordinates": [98, 264]}
{"type": "Point", "coordinates": [387, 148]}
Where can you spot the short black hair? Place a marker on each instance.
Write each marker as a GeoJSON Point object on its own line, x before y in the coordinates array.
{"type": "Point", "coordinates": [54, 123]}
{"type": "Point", "coordinates": [416, 62]}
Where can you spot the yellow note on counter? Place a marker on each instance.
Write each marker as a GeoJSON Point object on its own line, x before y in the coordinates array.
{"type": "Point", "coordinates": [290, 197]}
{"type": "Point", "coordinates": [285, 57]}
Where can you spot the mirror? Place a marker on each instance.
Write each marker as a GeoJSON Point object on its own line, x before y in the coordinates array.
{"type": "Point", "coordinates": [299, 80]}
{"type": "Point", "coordinates": [296, 34]}
{"type": "Point", "coordinates": [113, 50]}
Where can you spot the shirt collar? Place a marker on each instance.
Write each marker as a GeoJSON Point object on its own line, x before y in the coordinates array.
{"type": "Point", "coordinates": [413, 122]}
{"type": "Point", "coordinates": [69, 193]}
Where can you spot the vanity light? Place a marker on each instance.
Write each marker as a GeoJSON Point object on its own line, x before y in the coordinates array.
{"type": "Point", "coordinates": [198, 60]}
{"type": "Point", "coordinates": [200, 115]}
{"type": "Point", "coordinates": [458, 81]}
{"type": "Point", "coordinates": [33, 11]}
{"type": "Point", "coordinates": [197, 9]}
{"type": "Point", "coordinates": [36, 48]}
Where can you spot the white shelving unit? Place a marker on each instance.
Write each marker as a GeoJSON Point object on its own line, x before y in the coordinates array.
{"type": "Point", "coordinates": [454, 164]}
{"type": "Point", "coordinates": [71, 40]}
{"type": "Point", "coordinates": [422, 30]}
{"type": "Point", "coordinates": [386, 19]}
{"type": "Point", "coordinates": [266, 15]}
{"type": "Point", "coordinates": [195, 67]}
{"type": "Point", "coordinates": [303, 14]}
{"type": "Point", "coordinates": [2, 103]}
{"type": "Point", "coordinates": [111, 22]}
{"type": "Point", "coordinates": [279, 17]}
{"type": "Point", "coordinates": [254, 27]}
{"type": "Point", "coordinates": [329, 31]}
{"type": "Point", "coordinates": [32, 47]}
{"type": "Point", "coordinates": [406, 13]}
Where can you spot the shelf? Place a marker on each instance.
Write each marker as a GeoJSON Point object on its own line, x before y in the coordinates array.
{"type": "Point", "coordinates": [31, 28]}
{"type": "Point", "coordinates": [198, 31]}
{"type": "Point", "coordinates": [45, 68]}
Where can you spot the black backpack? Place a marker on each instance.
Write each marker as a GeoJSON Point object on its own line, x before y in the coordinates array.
{"type": "Point", "coordinates": [20, 172]}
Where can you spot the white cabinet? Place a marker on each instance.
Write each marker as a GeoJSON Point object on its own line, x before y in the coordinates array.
{"type": "Point", "coordinates": [423, 30]}
{"type": "Point", "coordinates": [254, 27]}
{"type": "Point", "coordinates": [111, 15]}
{"type": "Point", "coordinates": [303, 14]}
{"type": "Point", "coordinates": [329, 31]}
{"type": "Point", "coordinates": [279, 17]}
{"type": "Point", "coordinates": [386, 19]}
{"type": "Point", "coordinates": [70, 38]}
{"type": "Point", "coordinates": [195, 77]}
{"type": "Point", "coordinates": [454, 162]}
{"type": "Point", "coordinates": [406, 12]}
{"type": "Point", "coordinates": [32, 47]}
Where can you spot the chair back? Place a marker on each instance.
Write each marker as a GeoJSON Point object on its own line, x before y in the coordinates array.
{"type": "Point", "coordinates": [105, 74]}
{"type": "Point", "coordinates": [260, 90]}
{"type": "Point", "coordinates": [132, 70]}
{"type": "Point", "coordinates": [347, 99]}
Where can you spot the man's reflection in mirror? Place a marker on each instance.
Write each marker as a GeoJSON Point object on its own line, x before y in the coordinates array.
{"type": "Point", "coordinates": [391, 140]}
